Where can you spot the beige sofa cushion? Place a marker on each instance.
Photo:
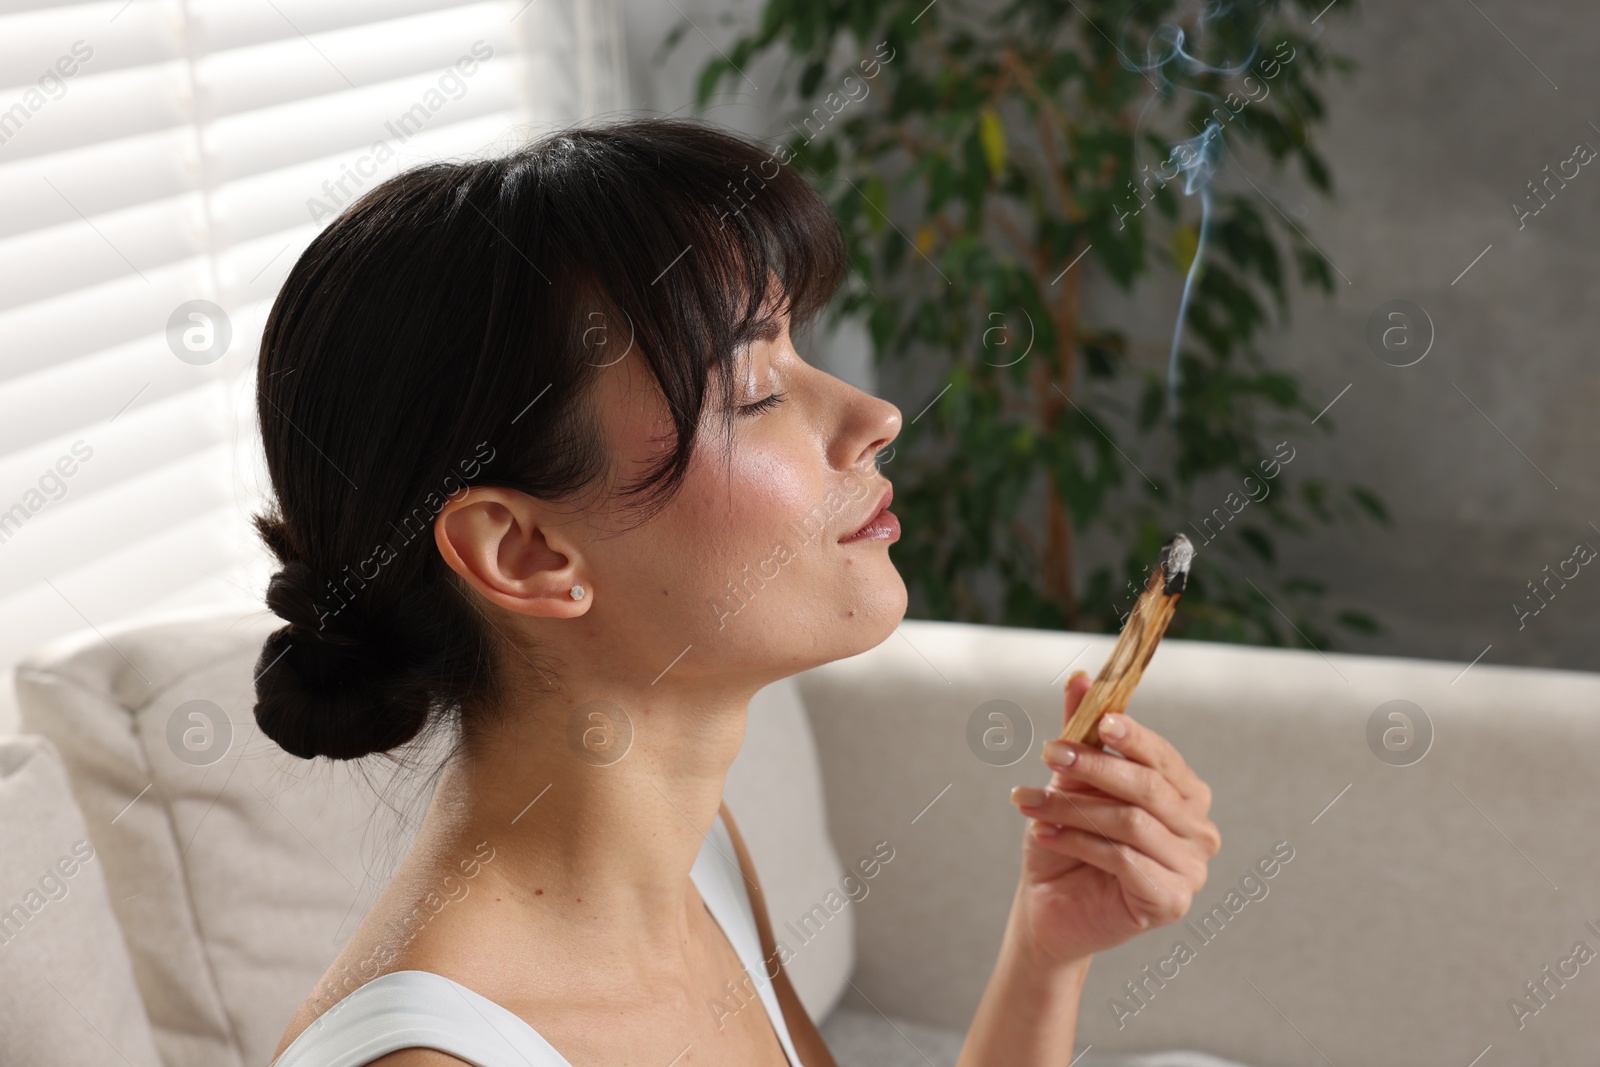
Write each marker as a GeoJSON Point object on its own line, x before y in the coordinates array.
{"type": "Point", "coordinates": [69, 997]}
{"type": "Point", "coordinates": [238, 871]}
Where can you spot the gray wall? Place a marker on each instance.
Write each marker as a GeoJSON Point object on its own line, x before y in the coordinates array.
{"type": "Point", "coordinates": [1429, 142]}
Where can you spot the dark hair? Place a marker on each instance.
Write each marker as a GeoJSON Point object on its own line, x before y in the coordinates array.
{"type": "Point", "coordinates": [444, 332]}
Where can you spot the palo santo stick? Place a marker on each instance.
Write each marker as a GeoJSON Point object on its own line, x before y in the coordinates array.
{"type": "Point", "coordinates": [1113, 688]}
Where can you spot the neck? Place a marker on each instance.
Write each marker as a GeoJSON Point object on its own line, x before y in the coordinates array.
{"type": "Point", "coordinates": [590, 828]}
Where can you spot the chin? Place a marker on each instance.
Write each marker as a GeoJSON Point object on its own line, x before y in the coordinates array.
{"type": "Point", "coordinates": [876, 611]}
{"type": "Point", "coordinates": [830, 624]}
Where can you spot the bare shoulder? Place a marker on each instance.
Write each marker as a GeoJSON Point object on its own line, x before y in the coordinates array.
{"type": "Point", "coordinates": [417, 1057]}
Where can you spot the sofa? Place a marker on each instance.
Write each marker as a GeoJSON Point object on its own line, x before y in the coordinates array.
{"type": "Point", "coordinates": [1406, 875]}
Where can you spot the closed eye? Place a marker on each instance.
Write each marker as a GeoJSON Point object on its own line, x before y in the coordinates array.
{"type": "Point", "coordinates": [764, 404]}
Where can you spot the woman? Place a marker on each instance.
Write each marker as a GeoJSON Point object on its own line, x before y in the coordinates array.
{"type": "Point", "coordinates": [489, 394]}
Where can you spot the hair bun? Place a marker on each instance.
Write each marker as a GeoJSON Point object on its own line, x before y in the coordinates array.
{"type": "Point", "coordinates": [341, 689]}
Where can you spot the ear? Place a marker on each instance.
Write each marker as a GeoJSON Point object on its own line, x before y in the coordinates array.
{"type": "Point", "coordinates": [514, 550]}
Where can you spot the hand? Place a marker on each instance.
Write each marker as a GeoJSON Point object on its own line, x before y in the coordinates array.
{"type": "Point", "coordinates": [1115, 845]}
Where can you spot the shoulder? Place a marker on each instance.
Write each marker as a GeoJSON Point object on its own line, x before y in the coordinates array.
{"type": "Point", "coordinates": [322, 1005]}
{"type": "Point", "coordinates": [404, 1057]}
{"type": "Point", "coordinates": [416, 1057]}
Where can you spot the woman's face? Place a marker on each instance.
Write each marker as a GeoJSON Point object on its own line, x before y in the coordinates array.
{"type": "Point", "coordinates": [743, 574]}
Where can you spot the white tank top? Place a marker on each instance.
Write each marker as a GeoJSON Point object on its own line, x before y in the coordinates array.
{"type": "Point", "coordinates": [406, 1009]}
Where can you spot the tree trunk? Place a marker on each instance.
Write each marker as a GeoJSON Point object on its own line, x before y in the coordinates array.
{"type": "Point", "coordinates": [1060, 584]}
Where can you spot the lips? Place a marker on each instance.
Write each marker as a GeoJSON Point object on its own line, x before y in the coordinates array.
{"type": "Point", "coordinates": [879, 522]}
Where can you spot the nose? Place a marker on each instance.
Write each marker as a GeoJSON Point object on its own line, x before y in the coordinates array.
{"type": "Point", "coordinates": [870, 423]}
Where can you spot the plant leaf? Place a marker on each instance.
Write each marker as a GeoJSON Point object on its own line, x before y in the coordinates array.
{"type": "Point", "coordinates": [992, 132]}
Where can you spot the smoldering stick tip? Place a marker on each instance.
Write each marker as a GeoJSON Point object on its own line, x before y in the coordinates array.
{"type": "Point", "coordinates": [1176, 557]}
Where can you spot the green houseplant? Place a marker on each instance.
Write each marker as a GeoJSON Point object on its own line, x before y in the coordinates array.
{"type": "Point", "coordinates": [980, 160]}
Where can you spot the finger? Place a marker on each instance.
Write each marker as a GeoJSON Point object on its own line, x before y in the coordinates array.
{"type": "Point", "coordinates": [1186, 819]}
{"type": "Point", "coordinates": [1077, 686]}
{"type": "Point", "coordinates": [1036, 828]}
{"type": "Point", "coordinates": [1141, 744]}
{"type": "Point", "coordinates": [1065, 783]}
{"type": "Point", "coordinates": [1124, 780]}
{"type": "Point", "coordinates": [1116, 821]}
{"type": "Point", "coordinates": [1155, 895]}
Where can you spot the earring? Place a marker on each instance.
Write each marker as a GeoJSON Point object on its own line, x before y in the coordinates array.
{"type": "Point", "coordinates": [577, 592]}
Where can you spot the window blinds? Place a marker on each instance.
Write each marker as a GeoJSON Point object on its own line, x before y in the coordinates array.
{"type": "Point", "coordinates": [162, 165]}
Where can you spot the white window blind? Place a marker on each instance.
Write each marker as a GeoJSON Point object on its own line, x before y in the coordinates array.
{"type": "Point", "coordinates": [159, 152]}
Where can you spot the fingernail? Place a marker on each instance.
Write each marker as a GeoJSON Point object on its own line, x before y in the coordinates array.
{"type": "Point", "coordinates": [1059, 754]}
{"type": "Point", "coordinates": [1045, 829]}
{"type": "Point", "coordinates": [1076, 675]}
{"type": "Point", "coordinates": [1113, 726]}
{"type": "Point", "coordinates": [1027, 796]}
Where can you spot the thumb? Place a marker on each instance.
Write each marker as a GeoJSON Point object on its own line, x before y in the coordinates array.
{"type": "Point", "coordinates": [1077, 686]}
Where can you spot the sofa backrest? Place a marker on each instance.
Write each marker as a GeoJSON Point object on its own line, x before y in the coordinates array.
{"type": "Point", "coordinates": [1422, 894]}
{"type": "Point", "coordinates": [63, 960]}
{"type": "Point", "coordinates": [237, 871]}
